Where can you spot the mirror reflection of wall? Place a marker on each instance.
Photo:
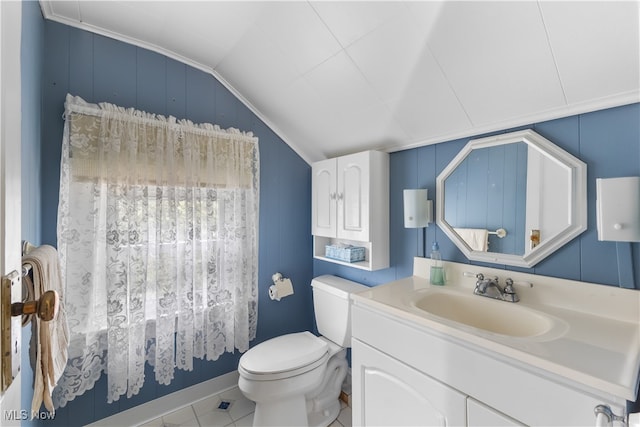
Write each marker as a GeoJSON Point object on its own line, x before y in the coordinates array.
{"type": "Point", "coordinates": [548, 201]}
{"type": "Point", "coordinates": [488, 191]}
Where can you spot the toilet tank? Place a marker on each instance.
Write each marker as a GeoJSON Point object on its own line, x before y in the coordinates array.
{"type": "Point", "coordinates": [332, 307]}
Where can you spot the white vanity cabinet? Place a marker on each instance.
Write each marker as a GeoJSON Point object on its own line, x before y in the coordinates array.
{"type": "Point", "coordinates": [350, 205]}
{"type": "Point", "coordinates": [405, 374]}
{"type": "Point", "coordinates": [394, 394]}
{"type": "Point", "coordinates": [480, 415]}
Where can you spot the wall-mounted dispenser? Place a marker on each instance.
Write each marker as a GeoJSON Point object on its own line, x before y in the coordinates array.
{"type": "Point", "coordinates": [418, 212]}
{"type": "Point", "coordinates": [618, 209]}
{"type": "Point", "coordinates": [417, 209]}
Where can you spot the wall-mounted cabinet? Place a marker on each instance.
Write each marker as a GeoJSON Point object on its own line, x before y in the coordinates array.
{"type": "Point", "coordinates": [350, 206]}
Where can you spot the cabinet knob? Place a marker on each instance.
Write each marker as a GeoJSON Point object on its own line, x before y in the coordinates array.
{"type": "Point", "coordinates": [340, 196]}
{"type": "Point", "coordinates": [332, 196]}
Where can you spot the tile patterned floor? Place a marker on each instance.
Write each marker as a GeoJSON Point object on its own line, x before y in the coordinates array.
{"type": "Point", "coordinates": [206, 413]}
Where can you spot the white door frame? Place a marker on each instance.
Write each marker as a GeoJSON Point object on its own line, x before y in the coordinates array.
{"type": "Point", "coordinates": [10, 197]}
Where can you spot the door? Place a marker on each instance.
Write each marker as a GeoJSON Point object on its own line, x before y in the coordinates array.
{"type": "Point", "coordinates": [10, 248]}
{"type": "Point", "coordinates": [323, 198]}
{"type": "Point", "coordinates": [386, 392]}
{"type": "Point", "coordinates": [353, 196]}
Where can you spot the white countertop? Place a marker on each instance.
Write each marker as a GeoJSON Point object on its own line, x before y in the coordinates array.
{"type": "Point", "coordinates": [596, 342]}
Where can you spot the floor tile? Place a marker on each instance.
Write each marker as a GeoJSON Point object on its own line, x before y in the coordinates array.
{"type": "Point", "coordinates": [206, 405]}
{"type": "Point", "coordinates": [190, 423]}
{"type": "Point", "coordinates": [215, 419]}
{"type": "Point", "coordinates": [245, 421]}
{"type": "Point", "coordinates": [154, 423]}
{"type": "Point", "coordinates": [241, 408]}
{"type": "Point", "coordinates": [180, 416]}
{"type": "Point", "coordinates": [204, 413]}
{"type": "Point", "coordinates": [345, 417]}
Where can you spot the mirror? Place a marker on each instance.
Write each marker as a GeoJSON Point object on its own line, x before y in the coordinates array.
{"type": "Point", "coordinates": [512, 199]}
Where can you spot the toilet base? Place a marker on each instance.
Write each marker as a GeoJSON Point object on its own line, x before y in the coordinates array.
{"type": "Point", "coordinates": [284, 412]}
{"type": "Point", "coordinates": [326, 417]}
{"type": "Point", "coordinates": [317, 406]}
{"type": "Point", "coordinates": [323, 406]}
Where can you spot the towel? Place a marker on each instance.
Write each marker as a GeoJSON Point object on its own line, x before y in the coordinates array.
{"type": "Point", "coordinates": [476, 238]}
{"type": "Point", "coordinates": [51, 338]}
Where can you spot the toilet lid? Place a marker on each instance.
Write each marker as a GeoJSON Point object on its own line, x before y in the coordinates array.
{"type": "Point", "coordinates": [284, 353]}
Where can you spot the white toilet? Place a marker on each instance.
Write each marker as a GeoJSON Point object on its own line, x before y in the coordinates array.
{"type": "Point", "coordinates": [295, 379]}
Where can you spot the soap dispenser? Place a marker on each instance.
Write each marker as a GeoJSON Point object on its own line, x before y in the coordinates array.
{"type": "Point", "coordinates": [436, 276]}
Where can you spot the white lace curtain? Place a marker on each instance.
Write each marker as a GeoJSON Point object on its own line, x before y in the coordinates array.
{"type": "Point", "coordinates": [158, 240]}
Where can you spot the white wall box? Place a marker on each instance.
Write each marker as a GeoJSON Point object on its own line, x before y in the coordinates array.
{"type": "Point", "coordinates": [350, 206]}
{"type": "Point", "coordinates": [618, 209]}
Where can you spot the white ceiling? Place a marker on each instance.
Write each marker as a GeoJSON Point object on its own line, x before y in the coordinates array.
{"type": "Point", "coordinates": [338, 77]}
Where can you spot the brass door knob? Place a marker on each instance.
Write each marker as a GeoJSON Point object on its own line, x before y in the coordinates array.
{"type": "Point", "coordinates": [45, 308]}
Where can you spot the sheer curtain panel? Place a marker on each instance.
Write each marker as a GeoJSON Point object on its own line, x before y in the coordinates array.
{"type": "Point", "coordinates": [158, 240]}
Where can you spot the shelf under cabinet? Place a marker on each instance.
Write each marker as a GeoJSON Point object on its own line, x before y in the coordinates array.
{"type": "Point", "coordinates": [370, 262]}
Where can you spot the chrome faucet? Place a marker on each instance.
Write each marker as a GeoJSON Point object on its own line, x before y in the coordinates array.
{"type": "Point", "coordinates": [491, 289]}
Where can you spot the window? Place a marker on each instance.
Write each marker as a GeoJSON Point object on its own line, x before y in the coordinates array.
{"type": "Point", "coordinates": [157, 234]}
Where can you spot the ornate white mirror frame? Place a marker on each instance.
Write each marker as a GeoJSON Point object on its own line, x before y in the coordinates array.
{"type": "Point", "coordinates": [570, 167]}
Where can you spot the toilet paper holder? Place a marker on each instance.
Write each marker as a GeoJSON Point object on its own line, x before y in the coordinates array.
{"type": "Point", "coordinates": [281, 287]}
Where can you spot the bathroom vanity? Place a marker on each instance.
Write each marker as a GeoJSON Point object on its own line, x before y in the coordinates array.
{"type": "Point", "coordinates": [429, 355]}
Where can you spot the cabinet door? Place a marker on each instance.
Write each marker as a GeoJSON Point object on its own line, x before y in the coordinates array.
{"type": "Point", "coordinates": [386, 392]}
{"type": "Point", "coordinates": [480, 415]}
{"type": "Point", "coordinates": [353, 196]}
{"type": "Point", "coordinates": [323, 198]}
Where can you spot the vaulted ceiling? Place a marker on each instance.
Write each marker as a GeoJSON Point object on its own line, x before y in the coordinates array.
{"type": "Point", "coordinates": [332, 78]}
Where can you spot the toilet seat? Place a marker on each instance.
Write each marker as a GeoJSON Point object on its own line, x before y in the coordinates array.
{"type": "Point", "coordinates": [284, 356]}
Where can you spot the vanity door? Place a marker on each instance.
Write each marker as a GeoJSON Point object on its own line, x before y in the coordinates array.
{"type": "Point", "coordinates": [389, 393]}
{"type": "Point", "coordinates": [480, 415]}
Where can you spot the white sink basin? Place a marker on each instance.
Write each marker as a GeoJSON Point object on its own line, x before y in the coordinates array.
{"type": "Point", "coordinates": [489, 315]}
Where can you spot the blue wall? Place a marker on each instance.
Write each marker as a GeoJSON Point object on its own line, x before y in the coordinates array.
{"type": "Point", "coordinates": [607, 140]}
{"type": "Point", "coordinates": [31, 57]}
{"type": "Point", "coordinates": [489, 190]}
{"type": "Point", "coordinates": [101, 69]}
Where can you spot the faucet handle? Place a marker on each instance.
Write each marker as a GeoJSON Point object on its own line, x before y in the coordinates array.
{"type": "Point", "coordinates": [478, 276]}
{"type": "Point", "coordinates": [508, 293]}
{"type": "Point", "coordinates": [508, 286]}
{"type": "Point", "coordinates": [509, 282]}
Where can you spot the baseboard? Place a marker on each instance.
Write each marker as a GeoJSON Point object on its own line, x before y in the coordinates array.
{"type": "Point", "coordinates": [153, 409]}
